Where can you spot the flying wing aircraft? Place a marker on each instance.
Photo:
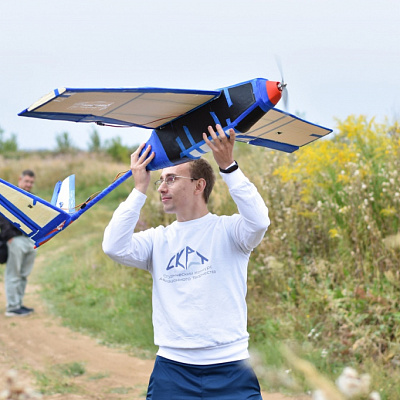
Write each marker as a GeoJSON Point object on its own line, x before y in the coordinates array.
{"type": "Point", "coordinates": [178, 118]}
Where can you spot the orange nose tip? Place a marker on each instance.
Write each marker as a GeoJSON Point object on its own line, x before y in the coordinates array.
{"type": "Point", "coordinates": [273, 91]}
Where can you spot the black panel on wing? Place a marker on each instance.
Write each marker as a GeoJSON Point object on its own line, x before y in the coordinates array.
{"type": "Point", "coordinates": [188, 129]}
{"type": "Point", "coordinates": [242, 97]}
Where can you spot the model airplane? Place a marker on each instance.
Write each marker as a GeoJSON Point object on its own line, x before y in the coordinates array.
{"type": "Point", "coordinates": [178, 118]}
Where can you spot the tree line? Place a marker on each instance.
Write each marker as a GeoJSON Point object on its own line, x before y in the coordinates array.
{"type": "Point", "coordinates": [64, 144]}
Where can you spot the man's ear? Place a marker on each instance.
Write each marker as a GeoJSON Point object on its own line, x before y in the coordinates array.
{"type": "Point", "coordinates": [200, 186]}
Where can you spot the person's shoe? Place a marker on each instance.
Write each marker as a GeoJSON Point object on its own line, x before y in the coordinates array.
{"type": "Point", "coordinates": [27, 309]}
{"type": "Point", "coordinates": [20, 312]}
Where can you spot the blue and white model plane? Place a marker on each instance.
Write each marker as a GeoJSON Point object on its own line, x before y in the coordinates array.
{"type": "Point", "coordinates": [178, 118]}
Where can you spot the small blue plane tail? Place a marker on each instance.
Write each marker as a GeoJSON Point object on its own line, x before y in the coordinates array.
{"type": "Point", "coordinates": [41, 220]}
{"type": "Point", "coordinates": [64, 194]}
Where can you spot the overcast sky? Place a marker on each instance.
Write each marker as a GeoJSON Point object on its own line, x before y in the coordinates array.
{"type": "Point", "coordinates": [339, 58]}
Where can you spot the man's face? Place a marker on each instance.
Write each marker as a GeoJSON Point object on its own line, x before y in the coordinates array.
{"type": "Point", "coordinates": [177, 198]}
{"type": "Point", "coordinates": [26, 182]}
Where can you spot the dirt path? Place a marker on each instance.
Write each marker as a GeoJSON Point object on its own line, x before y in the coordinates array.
{"type": "Point", "coordinates": [38, 343]}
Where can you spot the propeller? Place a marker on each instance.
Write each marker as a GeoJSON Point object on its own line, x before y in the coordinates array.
{"type": "Point", "coordinates": [282, 86]}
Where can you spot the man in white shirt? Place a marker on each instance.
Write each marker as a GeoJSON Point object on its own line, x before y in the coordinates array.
{"type": "Point", "coordinates": [199, 269]}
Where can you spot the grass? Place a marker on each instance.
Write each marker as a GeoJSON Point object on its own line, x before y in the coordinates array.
{"type": "Point", "coordinates": [60, 378]}
{"type": "Point", "coordinates": [324, 281]}
{"type": "Point", "coordinates": [120, 390]}
{"type": "Point", "coordinates": [92, 293]}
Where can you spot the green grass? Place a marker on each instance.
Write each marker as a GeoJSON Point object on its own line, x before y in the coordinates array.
{"type": "Point", "coordinates": [120, 390]}
{"type": "Point", "coordinates": [98, 376]}
{"type": "Point", "coordinates": [59, 378]}
{"type": "Point", "coordinates": [92, 293]}
{"type": "Point", "coordinates": [71, 369]}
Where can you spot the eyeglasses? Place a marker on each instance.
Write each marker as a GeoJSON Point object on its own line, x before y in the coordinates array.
{"type": "Point", "coordinates": [170, 179]}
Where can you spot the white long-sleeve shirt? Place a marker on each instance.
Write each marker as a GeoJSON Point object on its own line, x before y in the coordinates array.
{"type": "Point", "coordinates": [199, 270]}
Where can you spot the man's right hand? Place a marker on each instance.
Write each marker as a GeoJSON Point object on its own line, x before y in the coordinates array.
{"type": "Point", "coordinates": [138, 167]}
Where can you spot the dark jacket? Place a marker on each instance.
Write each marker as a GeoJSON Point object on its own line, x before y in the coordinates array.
{"type": "Point", "coordinates": [7, 229]}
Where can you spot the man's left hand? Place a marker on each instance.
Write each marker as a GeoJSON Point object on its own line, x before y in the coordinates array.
{"type": "Point", "coordinates": [221, 145]}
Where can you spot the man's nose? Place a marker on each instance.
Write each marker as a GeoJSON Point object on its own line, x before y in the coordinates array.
{"type": "Point", "coordinates": [163, 186]}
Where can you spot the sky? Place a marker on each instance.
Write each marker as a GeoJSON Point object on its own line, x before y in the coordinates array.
{"type": "Point", "coordinates": [338, 58]}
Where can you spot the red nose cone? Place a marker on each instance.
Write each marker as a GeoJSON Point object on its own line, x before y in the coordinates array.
{"type": "Point", "coordinates": [274, 92]}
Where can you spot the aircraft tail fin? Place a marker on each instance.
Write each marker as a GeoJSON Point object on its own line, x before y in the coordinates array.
{"type": "Point", "coordinates": [64, 194]}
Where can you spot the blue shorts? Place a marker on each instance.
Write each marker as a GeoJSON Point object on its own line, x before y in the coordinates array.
{"type": "Point", "coordinates": [173, 380]}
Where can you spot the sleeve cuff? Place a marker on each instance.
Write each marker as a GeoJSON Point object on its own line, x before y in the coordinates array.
{"type": "Point", "coordinates": [233, 179]}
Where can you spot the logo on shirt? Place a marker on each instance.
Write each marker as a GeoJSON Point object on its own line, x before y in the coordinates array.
{"type": "Point", "coordinates": [186, 258]}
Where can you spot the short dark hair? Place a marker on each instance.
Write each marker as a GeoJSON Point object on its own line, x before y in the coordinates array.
{"type": "Point", "coordinates": [201, 168]}
{"type": "Point", "coordinates": [28, 172]}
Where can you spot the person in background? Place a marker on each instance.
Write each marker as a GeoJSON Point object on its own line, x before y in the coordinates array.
{"type": "Point", "coordinates": [21, 257]}
{"type": "Point", "coordinates": [199, 269]}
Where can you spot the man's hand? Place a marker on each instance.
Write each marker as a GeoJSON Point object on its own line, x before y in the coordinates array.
{"type": "Point", "coordinates": [221, 146]}
{"type": "Point", "coordinates": [138, 167]}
